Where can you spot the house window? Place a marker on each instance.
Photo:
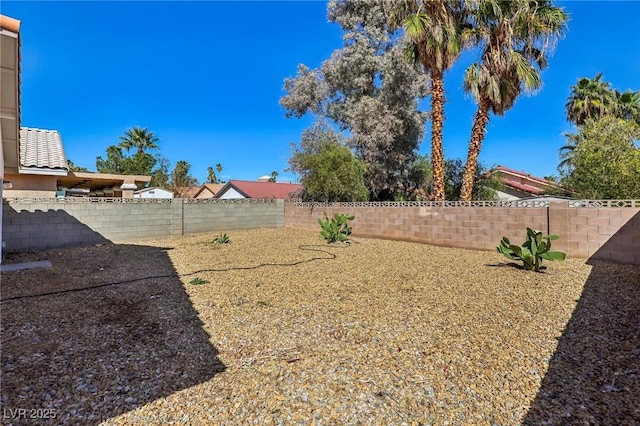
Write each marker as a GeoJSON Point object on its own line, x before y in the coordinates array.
{"type": "Point", "coordinates": [152, 192]}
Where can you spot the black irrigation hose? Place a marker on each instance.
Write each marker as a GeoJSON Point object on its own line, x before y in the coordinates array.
{"type": "Point", "coordinates": [176, 275]}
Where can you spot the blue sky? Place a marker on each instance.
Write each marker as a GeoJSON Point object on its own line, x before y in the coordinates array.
{"type": "Point", "coordinates": [206, 77]}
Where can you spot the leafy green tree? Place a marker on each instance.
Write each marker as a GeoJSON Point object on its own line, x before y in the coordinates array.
{"type": "Point", "coordinates": [328, 169]}
{"type": "Point", "coordinates": [73, 168]}
{"type": "Point", "coordinates": [514, 37]}
{"type": "Point", "coordinates": [434, 29]}
{"type": "Point", "coordinates": [273, 177]}
{"type": "Point", "coordinates": [369, 91]}
{"type": "Point", "coordinates": [417, 185]}
{"type": "Point", "coordinates": [115, 162]}
{"type": "Point", "coordinates": [606, 160]}
{"type": "Point", "coordinates": [160, 176]}
{"type": "Point", "coordinates": [140, 139]}
{"type": "Point", "coordinates": [484, 186]}
{"type": "Point", "coordinates": [181, 180]}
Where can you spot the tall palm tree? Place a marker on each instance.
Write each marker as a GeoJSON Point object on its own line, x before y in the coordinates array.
{"type": "Point", "coordinates": [433, 28]}
{"type": "Point", "coordinates": [627, 105]}
{"type": "Point", "coordinates": [514, 37]}
{"type": "Point", "coordinates": [590, 98]}
{"type": "Point", "coordinates": [140, 139]}
{"type": "Point", "coordinates": [211, 175]}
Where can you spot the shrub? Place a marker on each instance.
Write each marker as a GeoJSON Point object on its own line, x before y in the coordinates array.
{"type": "Point", "coordinates": [198, 281]}
{"type": "Point", "coordinates": [336, 228]}
{"type": "Point", "coordinates": [536, 248]}
{"type": "Point", "coordinates": [222, 239]}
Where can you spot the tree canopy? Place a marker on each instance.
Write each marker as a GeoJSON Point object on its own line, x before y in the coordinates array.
{"type": "Point", "coordinates": [369, 91]}
{"type": "Point", "coordinates": [605, 161]}
{"type": "Point", "coordinates": [328, 170]}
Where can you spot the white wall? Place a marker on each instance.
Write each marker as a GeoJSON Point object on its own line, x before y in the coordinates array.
{"type": "Point", "coordinates": [154, 193]}
{"type": "Point", "coordinates": [231, 193]}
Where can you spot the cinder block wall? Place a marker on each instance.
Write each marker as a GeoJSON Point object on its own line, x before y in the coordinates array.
{"type": "Point", "coordinates": [45, 224]}
{"type": "Point", "coordinates": [609, 233]}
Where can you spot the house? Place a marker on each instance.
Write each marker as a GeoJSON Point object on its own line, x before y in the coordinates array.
{"type": "Point", "coordinates": [519, 185]}
{"type": "Point", "coordinates": [152, 192]}
{"type": "Point", "coordinates": [257, 189]}
{"type": "Point", "coordinates": [32, 161]}
{"type": "Point", "coordinates": [42, 171]}
{"type": "Point", "coordinates": [9, 101]}
{"type": "Point", "coordinates": [208, 190]}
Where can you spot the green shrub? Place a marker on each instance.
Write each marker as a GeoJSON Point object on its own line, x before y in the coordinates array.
{"type": "Point", "coordinates": [222, 239]}
{"type": "Point", "coordinates": [198, 281]}
{"type": "Point", "coordinates": [336, 228]}
{"type": "Point", "coordinates": [533, 251]}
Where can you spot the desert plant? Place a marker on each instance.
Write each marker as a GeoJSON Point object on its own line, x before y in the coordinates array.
{"type": "Point", "coordinates": [198, 281]}
{"type": "Point", "coordinates": [536, 248]}
{"type": "Point", "coordinates": [222, 239]}
{"type": "Point", "coordinates": [336, 228]}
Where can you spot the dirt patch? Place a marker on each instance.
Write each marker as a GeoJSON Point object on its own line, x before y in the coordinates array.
{"type": "Point", "coordinates": [290, 330]}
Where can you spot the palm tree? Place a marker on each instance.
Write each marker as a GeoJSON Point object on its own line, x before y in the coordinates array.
{"type": "Point", "coordinates": [433, 28]}
{"type": "Point", "coordinates": [590, 98]}
{"type": "Point", "coordinates": [568, 151]}
{"type": "Point", "coordinates": [219, 169]}
{"type": "Point", "coordinates": [140, 139]}
{"type": "Point", "coordinates": [627, 105]}
{"type": "Point", "coordinates": [514, 37]}
{"type": "Point", "coordinates": [211, 175]}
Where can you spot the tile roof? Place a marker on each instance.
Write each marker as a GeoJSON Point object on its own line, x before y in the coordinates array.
{"type": "Point", "coordinates": [41, 149]}
{"type": "Point", "coordinates": [523, 181]}
{"type": "Point", "coordinates": [212, 187]}
{"type": "Point", "coordinates": [261, 189]}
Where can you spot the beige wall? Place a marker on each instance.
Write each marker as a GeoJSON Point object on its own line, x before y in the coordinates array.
{"type": "Point", "coordinates": [23, 185]}
{"type": "Point", "coordinates": [205, 194]}
{"type": "Point", "coordinates": [609, 233]}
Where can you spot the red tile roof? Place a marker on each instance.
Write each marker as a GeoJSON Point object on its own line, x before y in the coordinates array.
{"type": "Point", "coordinates": [255, 189]}
{"type": "Point", "coordinates": [523, 181]}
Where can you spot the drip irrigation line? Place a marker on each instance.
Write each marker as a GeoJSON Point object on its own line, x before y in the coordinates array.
{"type": "Point", "coordinates": [305, 247]}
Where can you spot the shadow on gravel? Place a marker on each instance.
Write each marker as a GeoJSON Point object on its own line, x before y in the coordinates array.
{"type": "Point", "coordinates": [93, 354]}
{"type": "Point", "coordinates": [594, 374]}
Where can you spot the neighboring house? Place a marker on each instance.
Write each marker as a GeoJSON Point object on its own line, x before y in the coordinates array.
{"type": "Point", "coordinates": [257, 189]}
{"type": "Point", "coordinates": [9, 102]}
{"type": "Point", "coordinates": [208, 190]}
{"type": "Point", "coordinates": [186, 191]}
{"type": "Point", "coordinates": [152, 192]}
{"type": "Point", "coordinates": [519, 185]}
{"type": "Point", "coordinates": [43, 172]}
{"type": "Point", "coordinates": [32, 161]}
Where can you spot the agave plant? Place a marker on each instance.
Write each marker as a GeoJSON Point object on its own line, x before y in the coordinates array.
{"type": "Point", "coordinates": [533, 251]}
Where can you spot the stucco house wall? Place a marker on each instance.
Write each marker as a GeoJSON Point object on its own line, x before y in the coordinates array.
{"type": "Point", "coordinates": [30, 186]}
{"type": "Point", "coordinates": [231, 194]}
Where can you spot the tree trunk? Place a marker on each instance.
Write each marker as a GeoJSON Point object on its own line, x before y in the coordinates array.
{"type": "Point", "coordinates": [437, 119]}
{"type": "Point", "coordinates": [477, 135]}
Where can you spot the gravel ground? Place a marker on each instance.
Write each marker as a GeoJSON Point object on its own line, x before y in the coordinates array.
{"type": "Point", "coordinates": [289, 330]}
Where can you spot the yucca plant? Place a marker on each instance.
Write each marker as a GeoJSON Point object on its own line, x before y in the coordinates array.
{"type": "Point", "coordinates": [536, 248]}
{"type": "Point", "coordinates": [222, 239]}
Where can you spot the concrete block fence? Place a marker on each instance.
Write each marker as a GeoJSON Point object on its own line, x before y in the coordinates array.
{"type": "Point", "coordinates": [37, 224]}
{"type": "Point", "coordinates": [606, 230]}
